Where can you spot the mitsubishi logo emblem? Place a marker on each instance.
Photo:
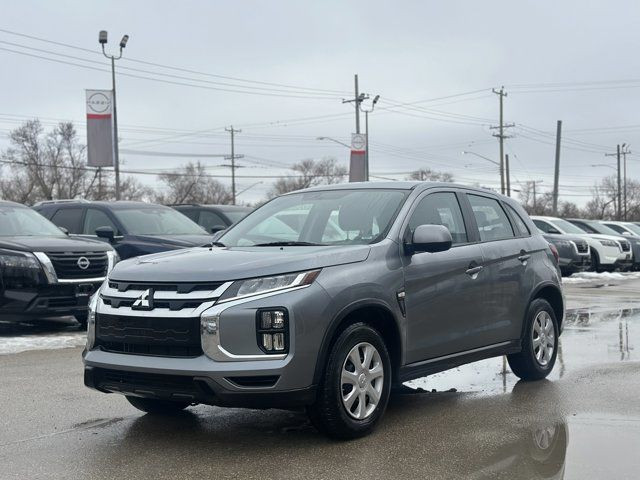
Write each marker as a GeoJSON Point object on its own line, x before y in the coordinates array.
{"type": "Point", "coordinates": [144, 301]}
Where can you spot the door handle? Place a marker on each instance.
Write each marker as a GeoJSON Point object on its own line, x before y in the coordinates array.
{"type": "Point", "coordinates": [474, 271]}
{"type": "Point", "coordinates": [524, 256]}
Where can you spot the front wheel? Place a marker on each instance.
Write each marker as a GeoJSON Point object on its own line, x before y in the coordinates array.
{"type": "Point", "coordinates": [355, 387]}
{"type": "Point", "coordinates": [152, 405]}
{"type": "Point", "coordinates": [539, 345]}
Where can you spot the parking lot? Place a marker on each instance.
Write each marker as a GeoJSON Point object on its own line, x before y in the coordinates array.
{"type": "Point", "coordinates": [476, 421]}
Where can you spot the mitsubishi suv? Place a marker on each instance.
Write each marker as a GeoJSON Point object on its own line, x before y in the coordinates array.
{"type": "Point", "coordinates": [44, 272]}
{"type": "Point", "coordinates": [375, 285]}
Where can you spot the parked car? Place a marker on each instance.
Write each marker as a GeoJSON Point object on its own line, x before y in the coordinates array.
{"type": "Point", "coordinates": [623, 228]}
{"type": "Point", "coordinates": [213, 218]}
{"type": "Point", "coordinates": [422, 278]}
{"type": "Point", "coordinates": [574, 254]}
{"type": "Point", "coordinates": [629, 245]}
{"type": "Point", "coordinates": [606, 251]}
{"type": "Point", "coordinates": [44, 272]}
{"type": "Point", "coordinates": [133, 228]}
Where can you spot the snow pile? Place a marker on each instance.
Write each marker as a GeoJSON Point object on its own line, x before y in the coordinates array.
{"type": "Point", "coordinates": [588, 277]}
{"type": "Point", "coordinates": [10, 345]}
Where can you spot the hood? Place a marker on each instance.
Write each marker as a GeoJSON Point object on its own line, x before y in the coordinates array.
{"type": "Point", "coordinates": [180, 241]}
{"type": "Point", "coordinates": [224, 264]}
{"type": "Point", "coordinates": [53, 244]}
{"type": "Point", "coordinates": [599, 236]}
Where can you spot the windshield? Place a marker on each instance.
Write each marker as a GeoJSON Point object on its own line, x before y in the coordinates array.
{"type": "Point", "coordinates": [235, 215]}
{"type": "Point", "coordinates": [15, 221]}
{"type": "Point", "coordinates": [603, 229]}
{"type": "Point", "coordinates": [567, 227]}
{"type": "Point", "coordinates": [157, 221]}
{"type": "Point", "coordinates": [334, 217]}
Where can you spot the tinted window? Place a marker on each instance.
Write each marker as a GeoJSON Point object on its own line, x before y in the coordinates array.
{"type": "Point", "coordinates": [492, 220]}
{"type": "Point", "coordinates": [209, 219]}
{"type": "Point", "coordinates": [95, 219]}
{"type": "Point", "coordinates": [519, 224]}
{"type": "Point", "coordinates": [544, 226]}
{"type": "Point", "coordinates": [585, 226]}
{"type": "Point", "coordinates": [440, 209]}
{"type": "Point", "coordinates": [69, 218]}
{"type": "Point", "coordinates": [617, 228]}
{"type": "Point", "coordinates": [156, 221]}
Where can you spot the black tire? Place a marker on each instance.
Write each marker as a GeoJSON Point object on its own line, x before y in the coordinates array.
{"type": "Point", "coordinates": [81, 318]}
{"type": "Point", "coordinates": [328, 414]}
{"type": "Point", "coordinates": [595, 262]}
{"type": "Point", "coordinates": [525, 364]}
{"type": "Point", "coordinates": [157, 406]}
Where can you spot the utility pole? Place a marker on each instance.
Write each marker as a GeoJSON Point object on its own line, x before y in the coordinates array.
{"type": "Point", "coordinates": [619, 195]}
{"type": "Point", "coordinates": [501, 136]}
{"type": "Point", "coordinates": [535, 195]}
{"type": "Point", "coordinates": [233, 166]}
{"type": "Point", "coordinates": [625, 151]}
{"type": "Point", "coordinates": [506, 165]}
{"type": "Point", "coordinates": [357, 99]}
{"type": "Point", "coordinates": [556, 173]}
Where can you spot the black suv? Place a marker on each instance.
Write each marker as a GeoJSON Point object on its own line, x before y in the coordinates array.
{"type": "Point", "coordinates": [43, 271]}
{"type": "Point", "coordinates": [133, 228]}
{"type": "Point", "coordinates": [213, 218]}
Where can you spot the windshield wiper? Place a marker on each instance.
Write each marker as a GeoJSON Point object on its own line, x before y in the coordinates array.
{"type": "Point", "coordinates": [214, 244]}
{"type": "Point", "coordinates": [288, 244]}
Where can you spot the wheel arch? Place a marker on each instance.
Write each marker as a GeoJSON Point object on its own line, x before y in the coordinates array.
{"type": "Point", "coordinates": [373, 312]}
{"type": "Point", "coordinates": [552, 294]}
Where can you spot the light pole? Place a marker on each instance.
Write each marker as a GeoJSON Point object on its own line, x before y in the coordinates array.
{"type": "Point", "coordinates": [366, 132]}
{"type": "Point", "coordinates": [102, 39]}
{"type": "Point", "coordinates": [334, 141]}
{"type": "Point", "coordinates": [466, 152]}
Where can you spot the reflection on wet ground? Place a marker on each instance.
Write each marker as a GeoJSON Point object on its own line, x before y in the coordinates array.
{"type": "Point", "coordinates": [590, 337]}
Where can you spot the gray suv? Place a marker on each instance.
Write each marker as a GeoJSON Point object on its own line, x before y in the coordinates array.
{"type": "Point", "coordinates": [325, 298]}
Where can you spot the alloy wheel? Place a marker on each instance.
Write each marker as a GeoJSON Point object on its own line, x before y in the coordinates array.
{"type": "Point", "coordinates": [362, 380]}
{"type": "Point", "coordinates": [544, 339]}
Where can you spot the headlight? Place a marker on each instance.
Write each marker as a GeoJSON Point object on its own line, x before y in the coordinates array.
{"type": "Point", "coordinates": [91, 317]}
{"type": "Point", "coordinates": [257, 286]}
{"type": "Point", "coordinates": [608, 243]}
{"type": "Point", "coordinates": [20, 270]}
{"type": "Point", "coordinates": [112, 259]}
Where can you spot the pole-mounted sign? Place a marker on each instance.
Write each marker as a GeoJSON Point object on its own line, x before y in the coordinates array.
{"type": "Point", "coordinates": [357, 167]}
{"type": "Point", "coordinates": [100, 128]}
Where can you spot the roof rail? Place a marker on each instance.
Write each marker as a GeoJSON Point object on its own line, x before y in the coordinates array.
{"type": "Point", "coordinates": [62, 200]}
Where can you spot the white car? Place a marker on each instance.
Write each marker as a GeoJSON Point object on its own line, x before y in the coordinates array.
{"type": "Point", "coordinates": [623, 228]}
{"type": "Point", "coordinates": [606, 250]}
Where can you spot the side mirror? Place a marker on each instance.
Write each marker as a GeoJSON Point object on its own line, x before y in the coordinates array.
{"type": "Point", "coordinates": [627, 234]}
{"type": "Point", "coordinates": [217, 235]}
{"type": "Point", "coordinates": [106, 233]}
{"type": "Point", "coordinates": [431, 238]}
{"type": "Point", "coordinates": [218, 228]}
{"type": "Point", "coordinates": [64, 230]}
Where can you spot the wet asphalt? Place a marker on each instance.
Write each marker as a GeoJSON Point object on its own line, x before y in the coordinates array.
{"type": "Point", "coordinates": [582, 423]}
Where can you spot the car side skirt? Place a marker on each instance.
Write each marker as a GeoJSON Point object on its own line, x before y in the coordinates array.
{"type": "Point", "coordinates": [446, 362]}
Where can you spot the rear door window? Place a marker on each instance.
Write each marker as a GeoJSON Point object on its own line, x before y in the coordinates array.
{"type": "Point", "coordinates": [69, 218]}
{"type": "Point", "coordinates": [521, 228]}
{"type": "Point", "coordinates": [493, 223]}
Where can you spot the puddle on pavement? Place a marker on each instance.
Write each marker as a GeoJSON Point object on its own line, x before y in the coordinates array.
{"type": "Point", "coordinates": [590, 337]}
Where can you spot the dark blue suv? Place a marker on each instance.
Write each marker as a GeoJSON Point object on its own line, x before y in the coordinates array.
{"type": "Point", "coordinates": [133, 228]}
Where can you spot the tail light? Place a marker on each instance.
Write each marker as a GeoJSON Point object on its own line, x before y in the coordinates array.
{"type": "Point", "coordinates": [554, 250]}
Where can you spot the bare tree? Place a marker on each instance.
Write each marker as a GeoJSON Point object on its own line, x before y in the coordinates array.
{"type": "Point", "coordinates": [191, 184]}
{"type": "Point", "coordinates": [428, 175]}
{"type": "Point", "coordinates": [309, 173]}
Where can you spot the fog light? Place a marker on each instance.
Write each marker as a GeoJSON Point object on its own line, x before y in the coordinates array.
{"type": "Point", "coordinates": [272, 330]}
{"type": "Point", "coordinates": [267, 341]}
{"type": "Point", "coordinates": [278, 341]}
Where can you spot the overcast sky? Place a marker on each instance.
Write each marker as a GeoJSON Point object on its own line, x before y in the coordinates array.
{"type": "Point", "coordinates": [408, 52]}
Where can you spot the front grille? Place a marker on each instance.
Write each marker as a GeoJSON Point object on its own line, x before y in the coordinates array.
{"type": "Point", "coordinates": [159, 336]}
{"type": "Point", "coordinates": [582, 247]}
{"type": "Point", "coordinates": [626, 246]}
{"type": "Point", "coordinates": [164, 287]}
{"type": "Point", "coordinates": [67, 264]}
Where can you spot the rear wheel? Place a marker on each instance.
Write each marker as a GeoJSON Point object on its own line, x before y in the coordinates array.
{"type": "Point", "coordinates": [152, 405]}
{"type": "Point", "coordinates": [539, 345]}
{"type": "Point", "coordinates": [354, 391]}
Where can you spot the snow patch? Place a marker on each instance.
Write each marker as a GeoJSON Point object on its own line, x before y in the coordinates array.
{"type": "Point", "coordinates": [9, 345]}
{"type": "Point", "coordinates": [592, 277]}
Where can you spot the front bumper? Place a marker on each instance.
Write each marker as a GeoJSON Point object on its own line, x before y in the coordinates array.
{"type": "Point", "coordinates": [577, 263]}
{"type": "Point", "coordinates": [52, 300]}
{"type": "Point", "coordinates": [244, 377]}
